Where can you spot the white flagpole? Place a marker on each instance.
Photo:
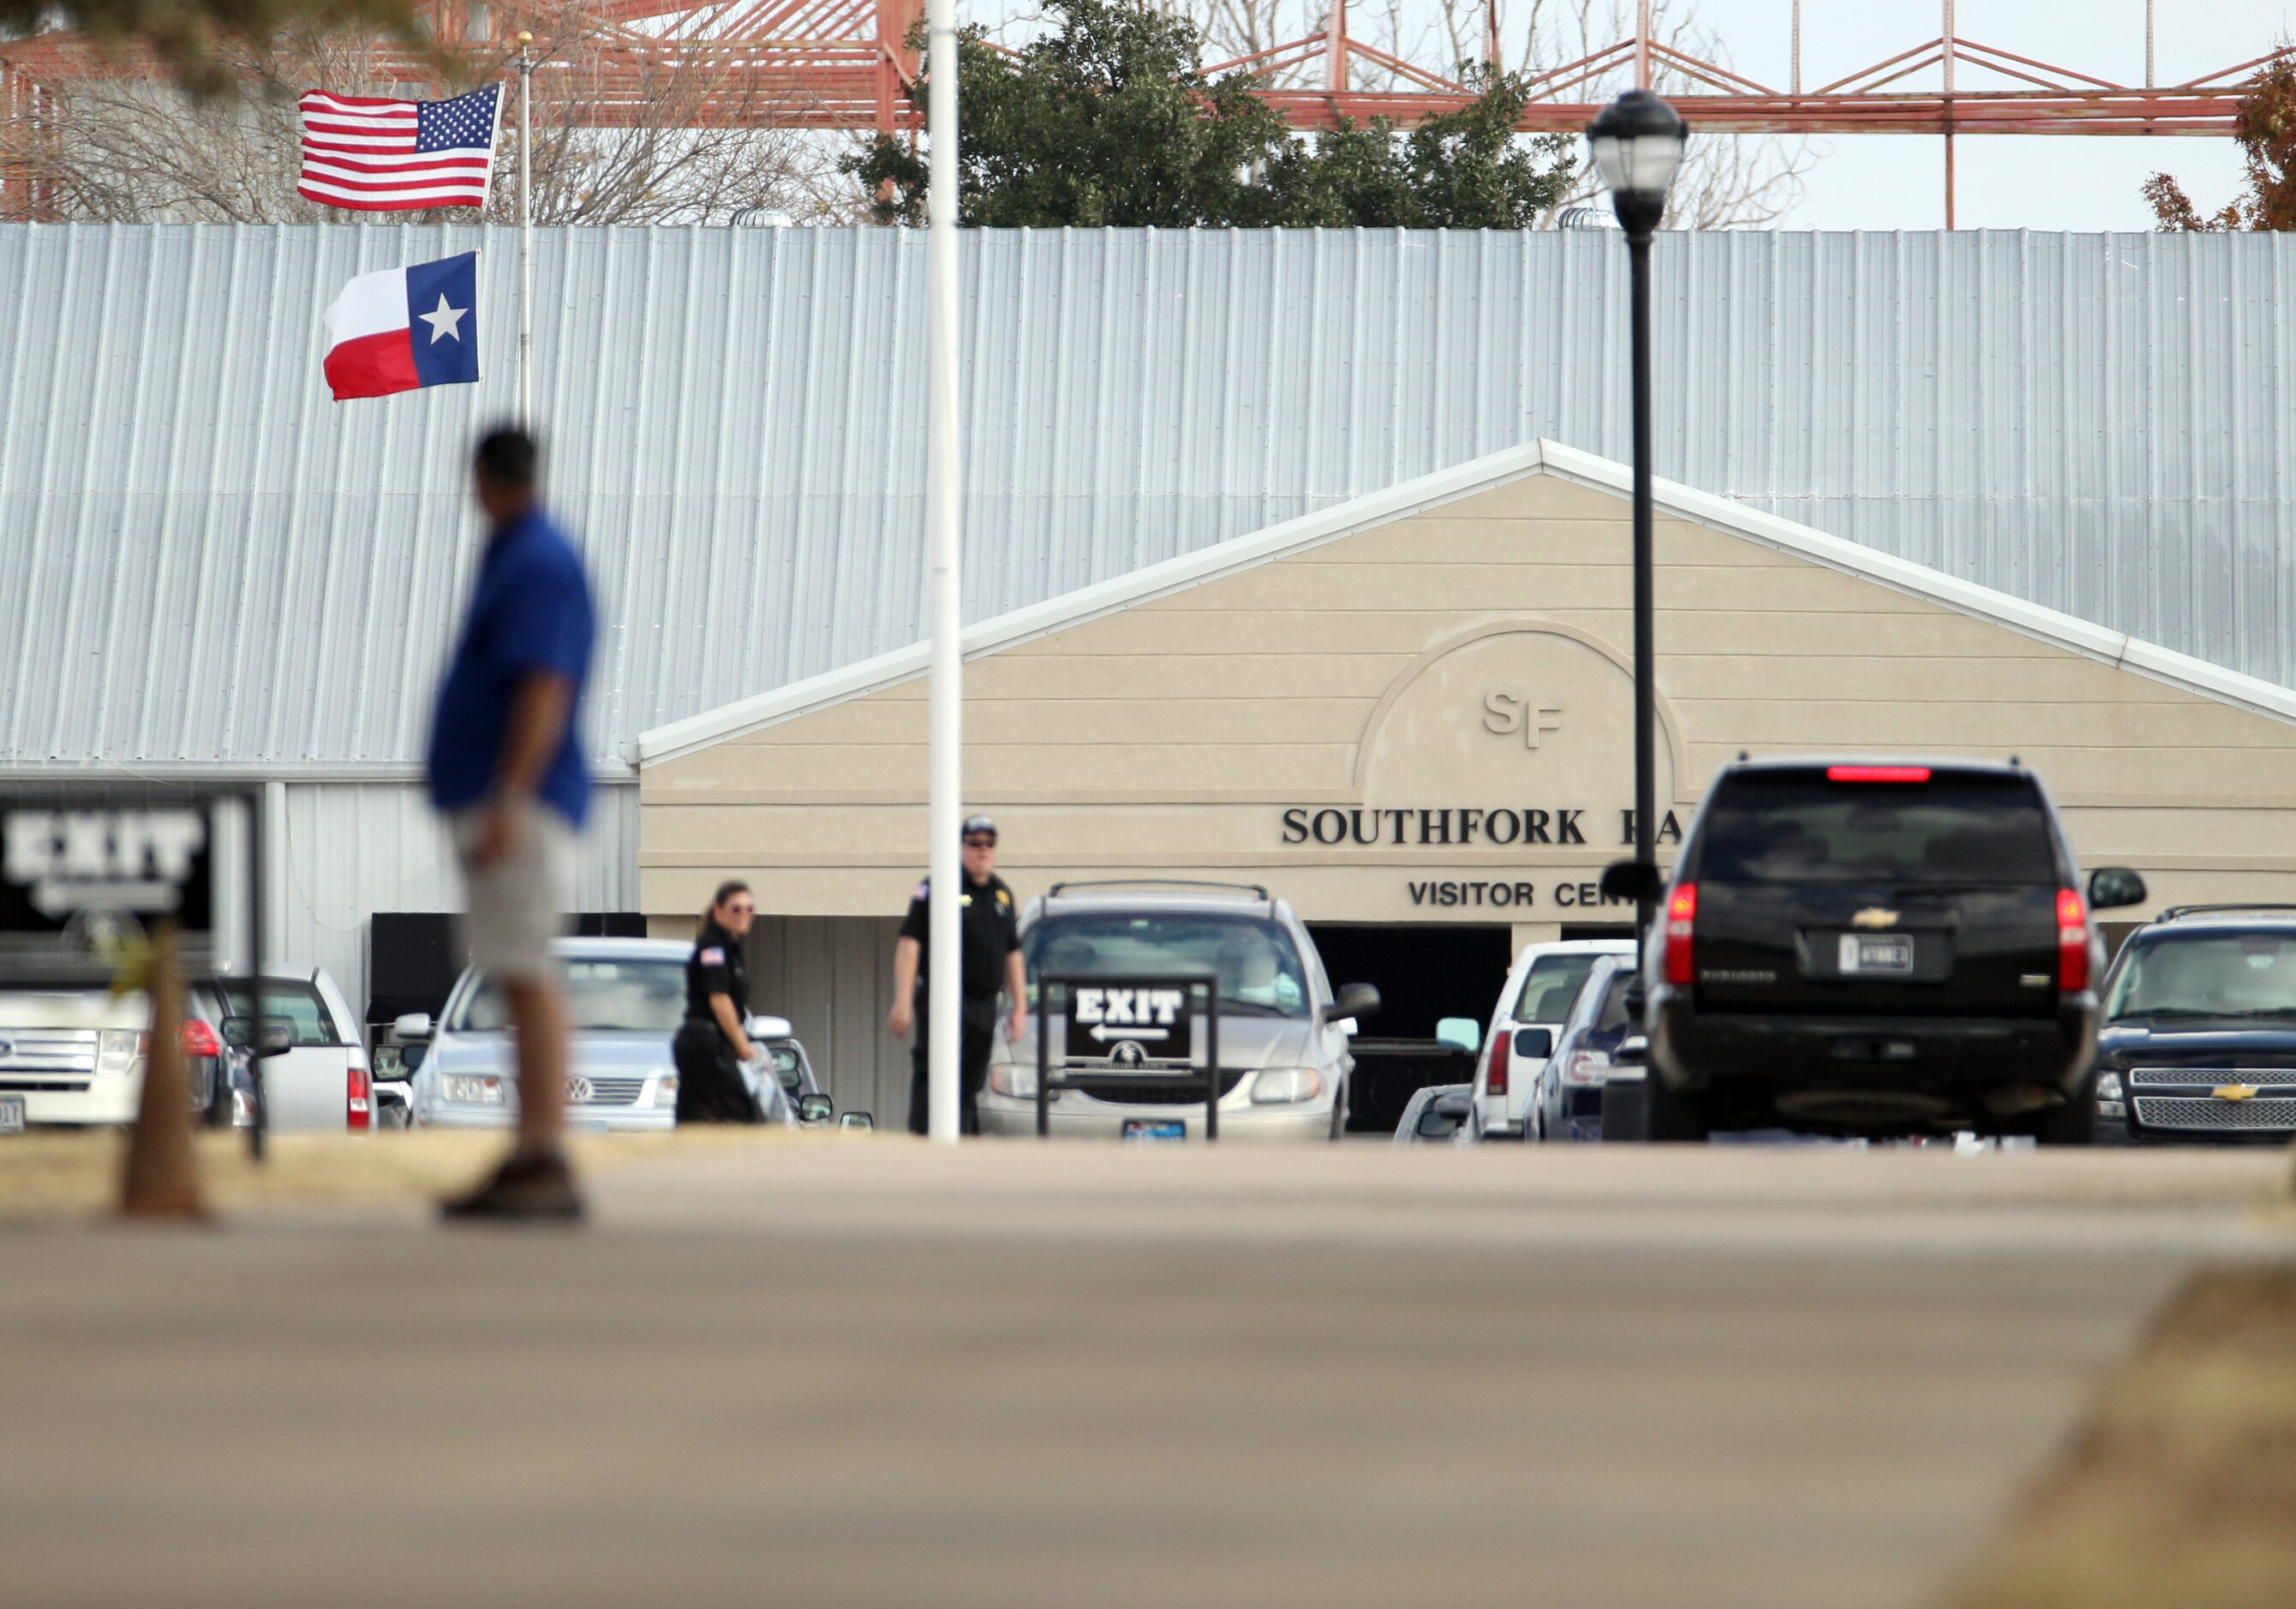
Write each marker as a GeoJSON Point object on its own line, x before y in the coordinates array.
{"type": "Point", "coordinates": [525, 234]}
{"type": "Point", "coordinates": [945, 816]}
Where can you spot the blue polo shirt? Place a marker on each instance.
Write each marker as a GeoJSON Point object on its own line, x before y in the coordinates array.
{"type": "Point", "coordinates": [531, 613]}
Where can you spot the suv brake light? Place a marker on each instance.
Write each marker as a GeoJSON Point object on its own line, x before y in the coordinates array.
{"type": "Point", "coordinates": [1681, 922]}
{"type": "Point", "coordinates": [1877, 773]}
{"type": "Point", "coordinates": [2072, 941]}
{"type": "Point", "coordinates": [1501, 1045]}
{"type": "Point", "coordinates": [199, 1039]}
{"type": "Point", "coordinates": [358, 1092]}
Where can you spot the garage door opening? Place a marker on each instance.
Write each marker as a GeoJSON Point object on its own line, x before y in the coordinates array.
{"type": "Point", "coordinates": [1423, 974]}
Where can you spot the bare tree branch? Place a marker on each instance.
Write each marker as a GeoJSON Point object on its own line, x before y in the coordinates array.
{"type": "Point", "coordinates": [688, 145]}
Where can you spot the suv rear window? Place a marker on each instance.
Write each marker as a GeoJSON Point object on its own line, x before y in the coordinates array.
{"type": "Point", "coordinates": [1800, 827]}
{"type": "Point", "coordinates": [296, 1003]}
{"type": "Point", "coordinates": [1551, 987]}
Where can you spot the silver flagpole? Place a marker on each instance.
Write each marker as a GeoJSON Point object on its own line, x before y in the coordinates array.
{"type": "Point", "coordinates": [945, 813]}
{"type": "Point", "coordinates": [525, 234]}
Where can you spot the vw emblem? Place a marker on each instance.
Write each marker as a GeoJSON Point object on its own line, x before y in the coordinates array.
{"type": "Point", "coordinates": [578, 1090]}
{"type": "Point", "coordinates": [1128, 1052]}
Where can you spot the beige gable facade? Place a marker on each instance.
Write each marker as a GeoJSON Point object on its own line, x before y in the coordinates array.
{"type": "Point", "coordinates": [1417, 710]}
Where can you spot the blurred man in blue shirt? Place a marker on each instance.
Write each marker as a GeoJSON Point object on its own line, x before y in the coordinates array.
{"type": "Point", "coordinates": [507, 772]}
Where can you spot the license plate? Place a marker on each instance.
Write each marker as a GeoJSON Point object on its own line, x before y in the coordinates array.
{"type": "Point", "coordinates": [1161, 1129]}
{"type": "Point", "coordinates": [12, 1114]}
{"type": "Point", "coordinates": [1889, 955]}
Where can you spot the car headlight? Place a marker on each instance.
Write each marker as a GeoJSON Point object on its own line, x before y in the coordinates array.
{"type": "Point", "coordinates": [1015, 1080]}
{"type": "Point", "coordinates": [115, 1048]}
{"type": "Point", "coordinates": [1275, 1086]}
{"type": "Point", "coordinates": [473, 1089]}
{"type": "Point", "coordinates": [2108, 1087]}
{"type": "Point", "coordinates": [665, 1090]}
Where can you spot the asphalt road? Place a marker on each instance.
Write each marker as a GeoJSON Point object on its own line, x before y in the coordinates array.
{"type": "Point", "coordinates": [877, 1374]}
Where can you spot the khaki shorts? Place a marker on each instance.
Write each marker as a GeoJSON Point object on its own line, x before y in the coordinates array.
{"type": "Point", "coordinates": [518, 905]}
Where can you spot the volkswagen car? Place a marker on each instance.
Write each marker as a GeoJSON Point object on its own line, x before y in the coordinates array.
{"type": "Point", "coordinates": [624, 999]}
{"type": "Point", "coordinates": [1283, 1030]}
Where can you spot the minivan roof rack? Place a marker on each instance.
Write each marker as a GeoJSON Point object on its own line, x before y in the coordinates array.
{"type": "Point", "coordinates": [1252, 889]}
{"type": "Point", "coordinates": [2175, 911]}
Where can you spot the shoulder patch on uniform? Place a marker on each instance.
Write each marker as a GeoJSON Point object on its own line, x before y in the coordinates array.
{"type": "Point", "coordinates": [712, 957]}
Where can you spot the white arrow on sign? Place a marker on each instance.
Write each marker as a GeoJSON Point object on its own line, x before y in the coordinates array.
{"type": "Point", "coordinates": [1104, 1034]}
{"type": "Point", "coordinates": [56, 899]}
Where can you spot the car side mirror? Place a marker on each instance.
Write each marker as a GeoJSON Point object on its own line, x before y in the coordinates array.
{"type": "Point", "coordinates": [2113, 886]}
{"type": "Point", "coordinates": [413, 1028]}
{"type": "Point", "coordinates": [859, 1121]}
{"type": "Point", "coordinates": [1462, 1034]}
{"type": "Point", "coordinates": [261, 1038]}
{"type": "Point", "coordinates": [1633, 1051]}
{"type": "Point", "coordinates": [1534, 1042]}
{"type": "Point", "coordinates": [814, 1107]}
{"type": "Point", "coordinates": [768, 1027]}
{"type": "Point", "coordinates": [1632, 881]}
{"type": "Point", "coordinates": [1457, 1107]}
{"type": "Point", "coordinates": [1355, 1000]}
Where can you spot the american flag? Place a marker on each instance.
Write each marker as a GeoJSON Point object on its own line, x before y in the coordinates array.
{"type": "Point", "coordinates": [373, 154]}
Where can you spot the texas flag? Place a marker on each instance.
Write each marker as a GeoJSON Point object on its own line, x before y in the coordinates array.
{"type": "Point", "coordinates": [404, 328]}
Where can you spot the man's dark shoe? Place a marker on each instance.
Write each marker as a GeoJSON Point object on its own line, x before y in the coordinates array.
{"type": "Point", "coordinates": [525, 1189]}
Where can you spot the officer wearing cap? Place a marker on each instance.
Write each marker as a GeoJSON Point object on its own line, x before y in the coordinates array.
{"type": "Point", "coordinates": [991, 952]}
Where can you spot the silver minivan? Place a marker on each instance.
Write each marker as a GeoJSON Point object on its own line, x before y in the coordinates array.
{"type": "Point", "coordinates": [1283, 1030]}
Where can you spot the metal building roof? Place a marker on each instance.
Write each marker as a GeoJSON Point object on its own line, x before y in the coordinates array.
{"type": "Point", "coordinates": [214, 563]}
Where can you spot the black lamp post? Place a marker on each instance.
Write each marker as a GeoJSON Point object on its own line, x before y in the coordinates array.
{"type": "Point", "coordinates": [1637, 141]}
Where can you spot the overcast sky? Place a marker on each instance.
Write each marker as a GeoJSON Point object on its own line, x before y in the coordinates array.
{"type": "Point", "coordinates": [2033, 182]}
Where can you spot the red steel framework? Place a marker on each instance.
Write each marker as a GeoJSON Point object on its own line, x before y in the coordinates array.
{"type": "Point", "coordinates": [845, 64]}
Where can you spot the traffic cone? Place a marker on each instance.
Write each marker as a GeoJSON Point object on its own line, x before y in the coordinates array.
{"type": "Point", "coordinates": [161, 1178]}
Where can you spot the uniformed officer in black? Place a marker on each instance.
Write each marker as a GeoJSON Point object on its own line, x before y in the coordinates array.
{"type": "Point", "coordinates": [991, 922]}
{"type": "Point", "coordinates": [710, 1044]}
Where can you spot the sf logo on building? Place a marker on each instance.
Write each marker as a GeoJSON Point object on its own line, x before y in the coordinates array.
{"type": "Point", "coordinates": [1129, 1022]}
{"type": "Point", "coordinates": [1506, 713]}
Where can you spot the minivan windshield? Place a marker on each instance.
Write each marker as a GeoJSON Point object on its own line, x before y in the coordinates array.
{"type": "Point", "coordinates": [1551, 987]}
{"type": "Point", "coordinates": [2213, 975]}
{"type": "Point", "coordinates": [1800, 827]}
{"type": "Point", "coordinates": [621, 994]}
{"type": "Point", "coordinates": [1258, 966]}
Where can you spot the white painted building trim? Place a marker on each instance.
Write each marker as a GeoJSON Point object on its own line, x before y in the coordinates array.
{"type": "Point", "coordinates": [1449, 486]}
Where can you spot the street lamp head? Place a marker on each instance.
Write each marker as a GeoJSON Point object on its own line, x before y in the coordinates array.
{"type": "Point", "coordinates": [1637, 142]}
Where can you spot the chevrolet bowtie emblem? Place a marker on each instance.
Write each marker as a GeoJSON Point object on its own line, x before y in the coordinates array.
{"type": "Point", "coordinates": [2233, 1092]}
{"type": "Point", "coordinates": [1874, 915]}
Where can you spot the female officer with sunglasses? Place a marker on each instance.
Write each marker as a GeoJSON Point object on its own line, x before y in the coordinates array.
{"type": "Point", "coordinates": [711, 1047]}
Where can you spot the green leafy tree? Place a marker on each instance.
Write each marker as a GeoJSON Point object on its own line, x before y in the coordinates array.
{"type": "Point", "coordinates": [1463, 170]}
{"type": "Point", "coordinates": [2265, 127]}
{"type": "Point", "coordinates": [1108, 121]}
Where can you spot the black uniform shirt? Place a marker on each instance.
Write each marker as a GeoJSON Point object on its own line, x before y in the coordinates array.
{"type": "Point", "coordinates": [991, 924]}
{"type": "Point", "coordinates": [716, 968]}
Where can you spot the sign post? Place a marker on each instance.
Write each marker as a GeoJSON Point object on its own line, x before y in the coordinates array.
{"type": "Point", "coordinates": [139, 882]}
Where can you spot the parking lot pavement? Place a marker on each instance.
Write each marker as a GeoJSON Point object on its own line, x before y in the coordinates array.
{"type": "Point", "coordinates": [879, 1373]}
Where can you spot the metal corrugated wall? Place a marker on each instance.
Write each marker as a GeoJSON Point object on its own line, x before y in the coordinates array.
{"type": "Point", "coordinates": [833, 977]}
{"type": "Point", "coordinates": [350, 849]}
{"type": "Point", "coordinates": [215, 563]}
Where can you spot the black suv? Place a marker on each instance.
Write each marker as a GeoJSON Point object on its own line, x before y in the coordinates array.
{"type": "Point", "coordinates": [2198, 1041]}
{"type": "Point", "coordinates": [1876, 948]}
